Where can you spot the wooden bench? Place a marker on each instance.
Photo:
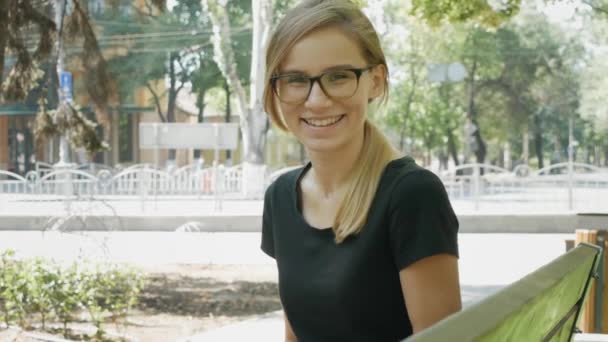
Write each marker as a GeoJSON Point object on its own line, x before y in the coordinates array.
{"type": "Point", "coordinates": [543, 306]}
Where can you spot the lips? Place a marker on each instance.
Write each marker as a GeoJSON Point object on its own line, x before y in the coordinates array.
{"type": "Point", "coordinates": [325, 122]}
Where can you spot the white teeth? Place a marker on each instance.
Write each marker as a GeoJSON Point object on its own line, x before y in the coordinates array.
{"type": "Point", "coordinates": [323, 122]}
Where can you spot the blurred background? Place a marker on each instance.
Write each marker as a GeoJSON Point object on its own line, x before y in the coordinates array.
{"type": "Point", "coordinates": [132, 132]}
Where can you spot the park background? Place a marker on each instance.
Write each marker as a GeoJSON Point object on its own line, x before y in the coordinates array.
{"type": "Point", "coordinates": [504, 100]}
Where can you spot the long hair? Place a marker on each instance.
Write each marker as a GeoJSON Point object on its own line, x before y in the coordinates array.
{"type": "Point", "coordinates": [377, 152]}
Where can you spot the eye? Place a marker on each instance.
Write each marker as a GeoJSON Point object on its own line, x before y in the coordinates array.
{"type": "Point", "coordinates": [295, 79]}
{"type": "Point", "coordinates": [341, 75]}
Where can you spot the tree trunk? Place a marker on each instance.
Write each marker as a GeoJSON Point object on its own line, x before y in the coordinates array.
{"type": "Point", "coordinates": [452, 147]}
{"type": "Point", "coordinates": [408, 109]}
{"type": "Point", "coordinates": [228, 115]}
{"type": "Point", "coordinates": [500, 162]}
{"type": "Point", "coordinates": [173, 91]}
{"type": "Point", "coordinates": [538, 140]}
{"type": "Point", "coordinates": [526, 146]}
{"type": "Point", "coordinates": [258, 121]}
{"type": "Point", "coordinates": [480, 150]}
{"type": "Point", "coordinates": [402, 137]}
{"type": "Point", "coordinates": [201, 117]}
{"type": "Point", "coordinates": [481, 147]}
{"type": "Point", "coordinates": [253, 120]}
{"type": "Point", "coordinates": [3, 36]}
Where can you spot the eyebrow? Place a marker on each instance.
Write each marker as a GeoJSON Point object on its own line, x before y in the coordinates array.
{"type": "Point", "coordinates": [335, 67]}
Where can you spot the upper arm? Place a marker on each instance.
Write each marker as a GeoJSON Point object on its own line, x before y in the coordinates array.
{"type": "Point", "coordinates": [431, 290]}
{"type": "Point", "coordinates": [422, 221]}
{"type": "Point", "coordinates": [424, 242]}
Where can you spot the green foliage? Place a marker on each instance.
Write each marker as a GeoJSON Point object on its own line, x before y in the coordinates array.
{"type": "Point", "coordinates": [437, 12]}
{"type": "Point", "coordinates": [181, 37]}
{"type": "Point", "coordinates": [39, 288]}
{"type": "Point", "coordinates": [525, 74]}
{"type": "Point", "coordinates": [595, 91]}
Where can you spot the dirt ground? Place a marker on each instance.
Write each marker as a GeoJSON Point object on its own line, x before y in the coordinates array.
{"type": "Point", "coordinates": [182, 300]}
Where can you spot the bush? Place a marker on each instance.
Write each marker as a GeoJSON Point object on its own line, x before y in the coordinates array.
{"type": "Point", "coordinates": [36, 287]}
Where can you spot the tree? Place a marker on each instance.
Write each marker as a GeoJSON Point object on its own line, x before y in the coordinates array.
{"type": "Point", "coordinates": [488, 12]}
{"type": "Point", "coordinates": [522, 72]}
{"type": "Point", "coordinates": [545, 80]}
{"type": "Point", "coordinates": [253, 121]}
{"type": "Point", "coordinates": [491, 13]}
{"type": "Point", "coordinates": [176, 56]}
{"type": "Point", "coordinates": [411, 48]}
{"type": "Point", "coordinates": [16, 16]}
{"type": "Point", "coordinates": [593, 104]}
{"type": "Point", "coordinates": [75, 27]}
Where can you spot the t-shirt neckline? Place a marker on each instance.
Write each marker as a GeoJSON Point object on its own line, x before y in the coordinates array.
{"type": "Point", "coordinates": [297, 202]}
{"type": "Point", "coordinates": [297, 195]}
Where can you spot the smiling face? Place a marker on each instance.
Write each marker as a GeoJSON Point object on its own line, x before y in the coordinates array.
{"type": "Point", "coordinates": [323, 123]}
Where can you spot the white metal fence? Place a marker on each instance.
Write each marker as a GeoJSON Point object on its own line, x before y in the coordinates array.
{"type": "Point", "coordinates": [565, 186]}
{"type": "Point", "coordinates": [136, 180]}
{"type": "Point", "coordinates": [568, 186]}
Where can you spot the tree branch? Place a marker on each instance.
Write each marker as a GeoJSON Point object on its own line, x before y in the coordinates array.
{"type": "Point", "coordinates": [156, 102]}
{"type": "Point", "coordinates": [183, 73]}
{"type": "Point", "coordinates": [179, 88]}
{"type": "Point", "coordinates": [596, 8]}
{"type": "Point", "coordinates": [148, 7]}
{"type": "Point", "coordinates": [142, 13]}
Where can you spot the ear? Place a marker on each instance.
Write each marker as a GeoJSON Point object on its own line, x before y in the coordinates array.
{"type": "Point", "coordinates": [378, 75]}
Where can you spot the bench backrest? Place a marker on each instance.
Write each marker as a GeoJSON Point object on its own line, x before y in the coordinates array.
{"type": "Point", "coordinates": [543, 306]}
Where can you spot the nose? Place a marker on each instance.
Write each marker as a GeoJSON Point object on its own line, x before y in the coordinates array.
{"type": "Point", "coordinates": [317, 97]}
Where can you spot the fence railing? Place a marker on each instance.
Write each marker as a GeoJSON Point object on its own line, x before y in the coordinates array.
{"type": "Point", "coordinates": [136, 180]}
{"type": "Point", "coordinates": [566, 185]}
{"type": "Point", "coordinates": [585, 187]}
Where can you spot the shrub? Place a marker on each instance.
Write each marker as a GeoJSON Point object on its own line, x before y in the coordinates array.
{"type": "Point", "coordinates": [40, 287]}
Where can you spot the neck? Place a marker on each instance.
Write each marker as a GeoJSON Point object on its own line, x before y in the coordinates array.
{"type": "Point", "coordinates": [330, 170]}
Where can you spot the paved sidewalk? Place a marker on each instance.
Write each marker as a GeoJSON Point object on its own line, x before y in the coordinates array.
{"type": "Point", "coordinates": [205, 215]}
{"type": "Point", "coordinates": [550, 201]}
{"type": "Point", "coordinates": [487, 263]}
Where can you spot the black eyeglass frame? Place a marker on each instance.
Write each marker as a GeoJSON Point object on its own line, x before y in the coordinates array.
{"type": "Point", "coordinates": [312, 79]}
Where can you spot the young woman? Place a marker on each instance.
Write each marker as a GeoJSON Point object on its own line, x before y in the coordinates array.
{"type": "Point", "coordinates": [365, 240]}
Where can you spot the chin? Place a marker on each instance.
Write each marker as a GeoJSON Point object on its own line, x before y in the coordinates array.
{"type": "Point", "coordinates": [320, 146]}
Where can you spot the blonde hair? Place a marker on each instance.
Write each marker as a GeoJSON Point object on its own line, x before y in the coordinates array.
{"type": "Point", "coordinates": [377, 151]}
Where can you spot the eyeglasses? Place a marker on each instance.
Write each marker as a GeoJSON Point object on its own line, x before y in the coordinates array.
{"type": "Point", "coordinates": [295, 88]}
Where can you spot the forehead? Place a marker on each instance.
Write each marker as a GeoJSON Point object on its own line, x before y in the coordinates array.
{"type": "Point", "coordinates": [322, 49]}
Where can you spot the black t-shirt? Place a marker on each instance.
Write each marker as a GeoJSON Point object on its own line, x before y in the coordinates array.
{"type": "Point", "coordinates": [351, 291]}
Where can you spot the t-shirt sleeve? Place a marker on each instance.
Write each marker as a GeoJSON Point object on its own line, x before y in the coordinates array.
{"type": "Point", "coordinates": [422, 221]}
{"type": "Point", "coordinates": [267, 229]}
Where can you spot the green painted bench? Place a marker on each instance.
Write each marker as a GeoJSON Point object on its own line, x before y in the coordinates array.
{"type": "Point", "coordinates": [542, 306]}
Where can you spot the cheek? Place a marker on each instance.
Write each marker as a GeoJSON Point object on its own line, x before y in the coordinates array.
{"type": "Point", "coordinates": [359, 105]}
{"type": "Point", "coordinates": [289, 113]}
